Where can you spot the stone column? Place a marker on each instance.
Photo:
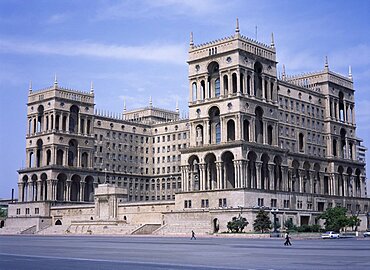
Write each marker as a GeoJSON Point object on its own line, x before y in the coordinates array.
{"type": "Point", "coordinates": [220, 179]}
{"type": "Point", "coordinates": [68, 191]}
{"type": "Point", "coordinates": [247, 184]}
{"type": "Point", "coordinates": [236, 173]}
{"type": "Point", "coordinates": [38, 197]}
{"type": "Point", "coordinates": [284, 176]}
{"type": "Point", "coordinates": [258, 174]}
{"type": "Point", "coordinates": [82, 189]}
{"type": "Point", "coordinates": [252, 84]}
{"type": "Point", "coordinates": [20, 192]}
{"type": "Point", "coordinates": [272, 177]}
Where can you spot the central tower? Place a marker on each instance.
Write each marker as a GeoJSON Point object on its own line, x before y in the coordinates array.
{"type": "Point", "coordinates": [232, 110]}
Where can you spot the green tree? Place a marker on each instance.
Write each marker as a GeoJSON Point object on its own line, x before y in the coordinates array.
{"type": "Point", "coordinates": [262, 223]}
{"type": "Point", "coordinates": [237, 224]}
{"type": "Point", "coordinates": [353, 221]}
{"type": "Point", "coordinates": [3, 213]}
{"type": "Point", "coordinates": [289, 225]}
{"type": "Point", "coordinates": [335, 218]}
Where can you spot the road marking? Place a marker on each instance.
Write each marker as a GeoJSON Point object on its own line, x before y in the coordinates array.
{"type": "Point", "coordinates": [117, 261]}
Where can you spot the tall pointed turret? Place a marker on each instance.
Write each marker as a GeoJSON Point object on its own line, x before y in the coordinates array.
{"type": "Point", "coordinates": [283, 74]}
{"type": "Point", "coordinates": [326, 64]}
{"type": "Point", "coordinates": [177, 105]}
{"type": "Point", "coordinates": [150, 102]}
{"type": "Point", "coordinates": [124, 105]}
{"type": "Point", "coordinates": [272, 41]}
{"type": "Point", "coordinates": [350, 72]}
{"type": "Point", "coordinates": [91, 87]}
{"type": "Point", "coordinates": [191, 40]}
{"type": "Point", "coordinates": [237, 30]}
{"type": "Point", "coordinates": [55, 81]}
{"type": "Point", "coordinates": [30, 87]}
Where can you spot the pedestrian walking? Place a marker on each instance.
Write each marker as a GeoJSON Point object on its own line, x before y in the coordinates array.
{"type": "Point", "coordinates": [193, 235]}
{"type": "Point", "coordinates": [287, 239]}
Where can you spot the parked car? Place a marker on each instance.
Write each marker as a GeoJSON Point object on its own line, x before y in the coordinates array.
{"type": "Point", "coordinates": [367, 233]}
{"type": "Point", "coordinates": [330, 235]}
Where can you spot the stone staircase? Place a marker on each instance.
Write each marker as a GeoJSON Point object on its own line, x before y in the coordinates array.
{"type": "Point", "coordinates": [146, 229]}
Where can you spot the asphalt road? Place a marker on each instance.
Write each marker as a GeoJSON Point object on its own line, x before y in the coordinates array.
{"type": "Point", "coordinates": [95, 253]}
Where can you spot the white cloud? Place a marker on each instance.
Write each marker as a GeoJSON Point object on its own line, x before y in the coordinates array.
{"type": "Point", "coordinates": [161, 8]}
{"type": "Point", "coordinates": [168, 53]}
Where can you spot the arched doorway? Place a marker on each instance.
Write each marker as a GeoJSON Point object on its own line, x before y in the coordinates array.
{"type": "Point", "coordinates": [58, 222]}
{"type": "Point", "coordinates": [75, 188]}
{"type": "Point", "coordinates": [216, 225]}
{"type": "Point", "coordinates": [228, 173]}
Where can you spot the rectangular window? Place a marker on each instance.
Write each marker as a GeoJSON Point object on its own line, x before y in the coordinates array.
{"type": "Point", "coordinates": [27, 211]}
{"type": "Point", "coordinates": [18, 211]}
{"type": "Point", "coordinates": [286, 203]}
{"type": "Point", "coordinates": [222, 202]}
{"type": "Point", "coordinates": [37, 211]}
{"type": "Point", "coordinates": [204, 203]}
{"type": "Point", "coordinates": [273, 202]}
{"type": "Point", "coordinates": [260, 202]}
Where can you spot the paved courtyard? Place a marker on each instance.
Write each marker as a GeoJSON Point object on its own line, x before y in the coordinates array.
{"type": "Point", "coordinates": [90, 252]}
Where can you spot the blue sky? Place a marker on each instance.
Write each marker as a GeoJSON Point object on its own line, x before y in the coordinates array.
{"type": "Point", "coordinates": [136, 49]}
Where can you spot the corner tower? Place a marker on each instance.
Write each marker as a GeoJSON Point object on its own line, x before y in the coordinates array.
{"type": "Point", "coordinates": [232, 108]}
{"type": "Point", "coordinates": [59, 147]}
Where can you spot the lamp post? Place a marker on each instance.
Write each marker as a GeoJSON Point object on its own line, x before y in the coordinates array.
{"type": "Point", "coordinates": [105, 175]}
{"type": "Point", "coordinates": [275, 233]}
{"type": "Point", "coordinates": [241, 209]}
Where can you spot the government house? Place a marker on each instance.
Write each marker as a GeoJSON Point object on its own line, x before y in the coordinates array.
{"type": "Point", "coordinates": [253, 139]}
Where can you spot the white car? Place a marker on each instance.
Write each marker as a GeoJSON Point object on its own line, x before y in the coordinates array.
{"type": "Point", "coordinates": [367, 233]}
{"type": "Point", "coordinates": [330, 235]}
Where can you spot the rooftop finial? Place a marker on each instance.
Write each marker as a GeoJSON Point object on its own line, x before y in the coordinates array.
{"type": "Point", "coordinates": [150, 102]}
{"type": "Point", "coordinates": [350, 72]}
{"type": "Point", "coordinates": [91, 87]}
{"type": "Point", "coordinates": [191, 40]}
{"type": "Point", "coordinates": [326, 63]}
{"type": "Point", "coordinates": [124, 105]}
{"type": "Point", "coordinates": [30, 87]}
{"type": "Point", "coordinates": [55, 80]}
{"type": "Point", "coordinates": [237, 31]}
{"type": "Point", "coordinates": [283, 75]}
{"type": "Point", "coordinates": [177, 105]}
{"type": "Point", "coordinates": [272, 41]}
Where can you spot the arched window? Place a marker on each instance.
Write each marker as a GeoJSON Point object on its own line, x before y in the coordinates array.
{"type": "Point", "coordinates": [202, 90]}
{"type": "Point", "coordinates": [301, 142]}
{"type": "Point", "coordinates": [341, 107]}
{"type": "Point", "coordinates": [246, 130]}
{"type": "Point", "coordinates": [39, 153]}
{"type": "Point", "coordinates": [48, 157]}
{"type": "Point", "coordinates": [242, 83]}
{"type": "Point", "coordinates": [335, 147]}
{"type": "Point", "coordinates": [57, 119]}
{"type": "Point", "coordinates": [73, 118]}
{"type": "Point", "coordinates": [218, 133]}
{"type": "Point", "coordinates": [259, 125]}
{"type": "Point", "coordinates": [269, 135]}
{"type": "Point", "coordinates": [31, 160]}
{"type": "Point", "coordinates": [248, 85]}
{"type": "Point", "coordinates": [230, 130]}
{"type": "Point", "coordinates": [258, 79]}
{"type": "Point", "coordinates": [234, 82]}
{"type": "Point", "coordinates": [213, 75]}
{"type": "Point", "coordinates": [72, 153]}
{"type": "Point", "coordinates": [60, 155]}
{"type": "Point", "coordinates": [343, 145]}
{"type": "Point", "coordinates": [217, 87]}
{"type": "Point", "coordinates": [40, 118]}
{"type": "Point", "coordinates": [84, 160]}
{"type": "Point", "coordinates": [194, 91]}
{"type": "Point", "coordinates": [226, 84]}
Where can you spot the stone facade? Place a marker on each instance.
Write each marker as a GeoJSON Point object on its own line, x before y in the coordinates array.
{"type": "Point", "coordinates": [253, 140]}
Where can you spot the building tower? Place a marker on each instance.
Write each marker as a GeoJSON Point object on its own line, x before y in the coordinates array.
{"type": "Point", "coordinates": [60, 146]}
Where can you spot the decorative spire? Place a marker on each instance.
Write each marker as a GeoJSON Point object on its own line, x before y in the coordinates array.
{"type": "Point", "coordinates": [326, 64]}
{"type": "Point", "coordinates": [55, 81]}
{"type": "Point", "coordinates": [30, 87]}
{"type": "Point", "coordinates": [177, 106]}
{"type": "Point", "coordinates": [150, 102]}
{"type": "Point", "coordinates": [283, 75]}
{"type": "Point", "coordinates": [124, 105]}
{"type": "Point", "coordinates": [191, 40]}
{"type": "Point", "coordinates": [350, 72]}
{"type": "Point", "coordinates": [237, 31]}
{"type": "Point", "coordinates": [91, 87]}
{"type": "Point", "coordinates": [272, 41]}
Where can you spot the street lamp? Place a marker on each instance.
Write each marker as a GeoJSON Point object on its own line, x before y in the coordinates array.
{"type": "Point", "coordinates": [105, 175]}
{"type": "Point", "coordinates": [275, 233]}
{"type": "Point", "coordinates": [241, 209]}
